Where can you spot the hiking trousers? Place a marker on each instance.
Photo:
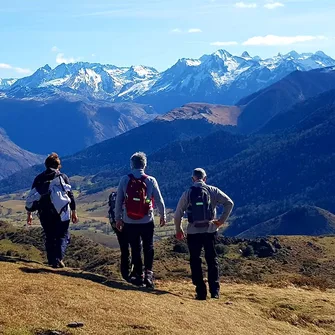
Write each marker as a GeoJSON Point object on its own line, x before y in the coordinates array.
{"type": "Point", "coordinates": [125, 255]}
{"type": "Point", "coordinates": [137, 233]}
{"type": "Point", "coordinates": [57, 238]}
{"type": "Point", "coordinates": [195, 244]}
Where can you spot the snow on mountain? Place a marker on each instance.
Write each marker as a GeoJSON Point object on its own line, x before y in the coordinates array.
{"type": "Point", "coordinates": [216, 78]}
{"type": "Point", "coordinates": [6, 83]}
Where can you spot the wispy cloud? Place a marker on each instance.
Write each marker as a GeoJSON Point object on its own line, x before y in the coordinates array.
{"type": "Point", "coordinates": [224, 44]}
{"type": "Point", "coordinates": [273, 5]}
{"type": "Point", "coordinates": [194, 31]}
{"type": "Point", "coordinates": [188, 31]}
{"type": "Point", "coordinates": [55, 49]}
{"type": "Point", "coordinates": [176, 31]}
{"type": "Point", "coordinates": [273, 40]}
{"type": "Point", "coordinates": [18, 70]}
{"type": "Point", "coordinates": [60, 58]}
{"type": "Point", "coordinates": [245, 5]}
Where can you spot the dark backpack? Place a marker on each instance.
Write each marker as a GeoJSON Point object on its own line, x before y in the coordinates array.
{"type": "Point", "coordinates": [44, 205]}
{"type": "Point", "coordinates": [136, 201]}
{"type": "Point", "coordinates": [200, 208]}
{"type": "Point", "coordinates": [111, 205]}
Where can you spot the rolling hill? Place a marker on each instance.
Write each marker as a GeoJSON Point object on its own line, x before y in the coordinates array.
{"type": "Point", "coordinates": [304, 220]}
{"type": "Point", "coordinates": [14, 158]}
{"type": "Point", "coordinates": [259, 108]}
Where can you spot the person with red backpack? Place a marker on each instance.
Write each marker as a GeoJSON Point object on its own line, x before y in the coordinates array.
{"type": "Point", "coordinates": [200, 203]}
{"type": "Point", "coordinates": [136, 195]}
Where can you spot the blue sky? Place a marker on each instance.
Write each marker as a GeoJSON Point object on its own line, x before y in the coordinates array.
{"type": "Point", "coordinates": [156, 33]}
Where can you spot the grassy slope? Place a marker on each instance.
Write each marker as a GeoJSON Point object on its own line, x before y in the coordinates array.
{"type": "Point", "coordinates": [32, 297]}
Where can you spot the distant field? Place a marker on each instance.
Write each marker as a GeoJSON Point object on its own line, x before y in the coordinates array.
{"type": "Point", "coordinates": [92, 211]}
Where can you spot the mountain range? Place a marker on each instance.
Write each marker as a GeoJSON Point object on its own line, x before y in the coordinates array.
{"type": "Point", "coordinates": [67, 126]}
{"type": "Point", "coordinates": [219, 78]}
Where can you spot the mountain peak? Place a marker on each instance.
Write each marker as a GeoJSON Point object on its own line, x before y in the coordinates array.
{"type": "Point", "coordinates": [224, 54]}
{"type": "Point", "coordinates": [46, 67]}
{"type": "Point", "coordinates": [293, 54]}
{"type": "Point", "coordinates": [246, 54]}
{"type": "Point", "coordinates": [321, 54]}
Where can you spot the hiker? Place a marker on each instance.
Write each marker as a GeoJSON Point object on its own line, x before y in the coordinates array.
{"type": "Point", "coordinates": [52, 198]}
{"type": "Point", "coordinates": [135, 217]}
{"type": "Point", "coordinates": [200, 203]}
{"type": "Point", "coordinates": [122, 239]}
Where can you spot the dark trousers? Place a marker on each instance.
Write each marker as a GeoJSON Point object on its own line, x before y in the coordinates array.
{"type": "Point", "coordinates": [57, 238]}
{"type": "Point", "coordinates": [125, 255]}
{"type": "Point", "coordinates": [137, 233]}
{"type": "Point", "coordinates": [195, 244]}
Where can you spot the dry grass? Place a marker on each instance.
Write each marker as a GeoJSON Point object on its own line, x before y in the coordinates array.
{"type": "Point", "coordinates": [33, 297]}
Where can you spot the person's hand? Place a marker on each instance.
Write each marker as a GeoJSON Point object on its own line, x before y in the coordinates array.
{"type": "Point", "coordinates": [119, 225]}
{"type": "Point", "coordinates": [74, 217]}
{"type": "Point", "coordinates": [218, 223]}
{"type": "Point", "coordinates": [29, 218]}
{"type": "Point", "coordinates": [180, 235]}
{"type": "Point", "coordinates": [162, 222]}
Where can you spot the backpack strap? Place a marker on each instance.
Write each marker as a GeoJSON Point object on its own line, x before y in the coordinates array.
{"type": "Point", "coordinates": [132, 177]}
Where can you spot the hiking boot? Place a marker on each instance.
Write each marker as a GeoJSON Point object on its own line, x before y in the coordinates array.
{"type": "Point", "coordinates": [201, 297]}
{"type": "Point", "coordinates": [149, 279]}
{"type": "Point", "coordinates": [58, 264]}
{"type": "Point", "coordinates": [61, 264]}
{"type": "Point", "coordinates": [215, 295]}
{"type": "Point", "coordinates": [137, 280]}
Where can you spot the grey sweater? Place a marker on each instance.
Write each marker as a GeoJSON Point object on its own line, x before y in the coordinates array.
{"type": "Point", "coordinates": [217, 198]}
{"type": "Point", "coordinates": [152, 191]}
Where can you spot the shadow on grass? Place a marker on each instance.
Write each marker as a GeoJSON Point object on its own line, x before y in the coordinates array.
{"type": "Point", "coordinates": [94, 278]}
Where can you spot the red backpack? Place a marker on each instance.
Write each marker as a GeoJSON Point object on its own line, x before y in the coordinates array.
{"type": "Point", "coordinates": [137, 204]}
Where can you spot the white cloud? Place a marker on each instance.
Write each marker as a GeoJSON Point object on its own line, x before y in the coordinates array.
{"type": "Point", "coordinates": [224, 44]}
{"type": "Point", "coordinates": [55, 49]}
{"type": "Point", "coordinates": [176, 31]}
{"type": "Point", "coordinates": [245, 5]}
{"type": "Point", "coordinates": [60, 58]}
{"type": "Point", "coordinates": [274, 5]}
{"type": "Point", "coordinates": [5, 66]}
{"type": "Point", "coordinates": [18, 70]}
{"type": "Point", "coordinates": [194, 31]}
{"type": "Point", "coordinates": [272, 40]}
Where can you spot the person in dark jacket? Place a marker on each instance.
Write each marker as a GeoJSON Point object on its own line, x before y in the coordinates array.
{"type": "Point", "coordinates": [56, 231]}
{"type": "Point", "coordinates": [202, 229]}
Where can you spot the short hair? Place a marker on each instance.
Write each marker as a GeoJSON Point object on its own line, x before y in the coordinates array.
{"type": "Point", "coordinates": [199, 173]}
{"type": "Point", "coordinates": [138, 160]}
{"type": "Point", "coordinates": [52, 161]}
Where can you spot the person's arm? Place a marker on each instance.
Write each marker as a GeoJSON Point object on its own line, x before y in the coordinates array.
{"type": "Point", "coordinates": [29, 213]}
{"type": "Point", "coordinates": [159, 201]}
{"type": "Point", "coordinates": [120, 195]}
{"type": "Point", "coordinates": [179, 214]}
{"type": "Point", "coordinates": [227, 203]}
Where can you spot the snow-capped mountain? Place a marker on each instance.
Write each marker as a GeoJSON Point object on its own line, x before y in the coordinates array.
{"type": "Point", "coordinates": [6, 83]}
{"type": "Point", "coordinates": [216, 78]}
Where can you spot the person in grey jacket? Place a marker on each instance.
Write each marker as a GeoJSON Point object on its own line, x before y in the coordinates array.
{"type": "Point", "coordinates": [202, 230]}
{"type": "Point", "coordinates": [139, 228]}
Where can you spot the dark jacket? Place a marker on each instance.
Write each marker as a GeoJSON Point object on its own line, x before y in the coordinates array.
{"type": "Point", "coordinates": [49, 175]}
